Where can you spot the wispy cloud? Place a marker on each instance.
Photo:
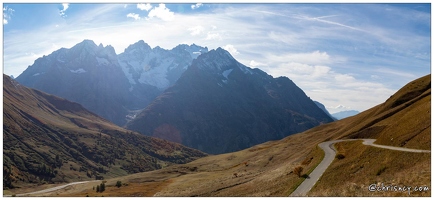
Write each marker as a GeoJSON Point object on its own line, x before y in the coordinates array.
{"type": "Point", "coordinates": [321, 19]}
{"type": "Point", "coordinates": [315, 57]}
{"type": "Point", "coordinates": [213, 36]}
{"type": "Point", "coordinates": [197, 30]}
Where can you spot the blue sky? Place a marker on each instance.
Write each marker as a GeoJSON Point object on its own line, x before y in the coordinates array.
{"type": "Point", "coordinates": [346, 56]}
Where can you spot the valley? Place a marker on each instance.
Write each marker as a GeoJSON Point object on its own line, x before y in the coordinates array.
{"type": "Point", "coordinates": [217, 99]}
{"type": "Point", "coordinates": [268, 169]}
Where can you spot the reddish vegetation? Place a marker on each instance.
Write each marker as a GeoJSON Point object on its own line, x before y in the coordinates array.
{"type": "Point", "coordinates": [168, 132]}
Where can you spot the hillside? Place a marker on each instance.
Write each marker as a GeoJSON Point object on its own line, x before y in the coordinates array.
{"type": "Point", "coordinates": [267, 169]}
{"type": "Point", "coordinates": [47, 139]}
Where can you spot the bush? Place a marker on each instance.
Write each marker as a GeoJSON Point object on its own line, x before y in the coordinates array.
{"type": "Point", "coordinates": [102, 187]}
{"type": "Point", "coordinates": [298, 170]}
{"type": "Point", "coordinates": [340, 156]}
{"type": "Point", "coordinates": [118, 184]}
{"type": "Point", "coordinates": [381, 170]}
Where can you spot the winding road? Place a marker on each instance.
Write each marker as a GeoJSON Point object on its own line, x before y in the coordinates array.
{"type": "Point", "coordinates": [49, 189]}
{"type": "Point", "coordinates": [305, 186]}
{"type": "Point", "coordinates": [330, 153]}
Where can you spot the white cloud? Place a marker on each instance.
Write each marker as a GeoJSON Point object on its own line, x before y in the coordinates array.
{"type": "Point", "coordinates": [342, 107]}
{"type": "Point", "coordinates": [344, 78]}
{"type": "Point", "coordinates": [196, 6]}
{"type": "Point", "coordinates": [134, 16]}
{"type": "Point", "coordinates": [143, 6]}
{"type": "Point", "coordinates": [65, 7]}
{"type": "Point", "coordinates": [375, 77]}
{"type": "Point", "coordinates": [231, 49]}
{"type": "Point", "coordinates": [162, 12]}
{"type": "Point", "coordinates": [7, 13]}
{"type": "Point", "coordinates": [213, 36]}
{"type": "Point", "coordinates": [315, 58]}
{"type": "Point", "coordinates": [256, 64]}
{"type": "Point", "coordinates": [300, 69]}
{"type": "Point", "coordinates": [197, 30]}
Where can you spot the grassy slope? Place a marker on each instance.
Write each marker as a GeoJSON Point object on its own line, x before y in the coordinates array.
{"type": "Point", "coordinates": [71, 142]}
{"type": "Point", "coordinates": [403, 120]}
{"type": "Point", "coordinates": [269, 165]}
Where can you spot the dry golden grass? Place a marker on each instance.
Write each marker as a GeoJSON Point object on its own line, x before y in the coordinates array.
{"type": "Point", "coordinates": [265, 169]}
{"type": "Point", "coordinates": [365, 165]}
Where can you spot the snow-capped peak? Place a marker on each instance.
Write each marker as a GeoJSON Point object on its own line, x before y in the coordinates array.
{"type": "Point", "coordinates": [157, 66]}
{"type": "Point", "coordinates": [138, 46]}
{"type": "Point", "coordinates": [220, 61]}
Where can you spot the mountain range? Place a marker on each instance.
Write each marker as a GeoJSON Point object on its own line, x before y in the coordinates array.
{"type": "Point", "coordinates": [110, 85]}
{"type": "Point", "coordinates": [263, 128]}
{"type": "Point", "coordinates": [48, 139]}
{"type": "Point", "coordinates": [219, 105]}
{"type": "Point", "coordinates": [203, 99]}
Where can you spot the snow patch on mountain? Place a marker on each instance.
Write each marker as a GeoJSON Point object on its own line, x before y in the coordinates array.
{"type": "Point", "coordinates": [102, 61]}
{"type": "Point", "coordinates": [78, 71]}
{"type": "Point", "coordinates": [227, 72]}
{"type": "Point", "coordinates": [156, 76]}
{"type": "Point", "coordinates": [126, 69]}
{"type": "Point", "coordinates": [245, 69]}
{"type": "Point", "coordinates": [196, 54]}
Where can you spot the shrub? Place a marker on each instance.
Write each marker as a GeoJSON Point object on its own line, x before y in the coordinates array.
{"type": "Point", "coordinates": [118, 184]}
{"type": "Point", "coordinates": [340, 156]}
{"type": "Point", "coordinates": [298, 170]}
{"type": "Point", "coordinates": [101, 187]}
{"type": "Point", "coordinates": [381, 170]}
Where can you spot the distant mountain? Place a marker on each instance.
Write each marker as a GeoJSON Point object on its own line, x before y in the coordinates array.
{"type": "Point", "coordinates": [47, 139]}
{"type": "Point", "coordinates": [113, 86]}
{"type": "Point", "coordinates": [157, 67]}
{"type": "Point", "coordinates": [219, 105]}
{"type": "Point", "coordinates": [345, 114]}
{"type": "Point", "coordinates": [323, 108]}
{"type": "Point", "coordinates": [87, 74]}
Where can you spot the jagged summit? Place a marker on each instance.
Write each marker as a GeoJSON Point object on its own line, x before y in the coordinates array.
{"type": "Point", "coordinates": [194, 50]}
{"type": "Point", "coordinates": [219, 61]}
{"type": "Point", "coordinates": [140, 46]}
{"type": "Point", "coordinates": [156, 67]}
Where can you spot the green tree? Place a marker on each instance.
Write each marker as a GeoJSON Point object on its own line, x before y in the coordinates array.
{"type": "Point", "coordinates": [97, 188]}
